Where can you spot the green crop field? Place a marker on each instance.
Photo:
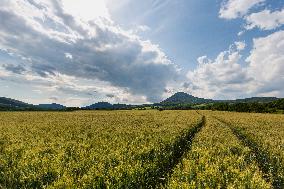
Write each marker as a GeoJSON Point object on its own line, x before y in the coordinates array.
{"type": "Point", "coordinates": [141, 149]}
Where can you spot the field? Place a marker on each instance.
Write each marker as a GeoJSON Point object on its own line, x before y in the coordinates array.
{"type": "Point", "coordinates": [141, 149]}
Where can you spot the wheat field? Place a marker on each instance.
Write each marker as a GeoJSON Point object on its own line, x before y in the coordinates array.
{"type": "Point", "coordinates": [141, 149]}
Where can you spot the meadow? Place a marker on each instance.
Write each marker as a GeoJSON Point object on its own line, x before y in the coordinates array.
{"type": "Point", "coordinates": [141, 149]}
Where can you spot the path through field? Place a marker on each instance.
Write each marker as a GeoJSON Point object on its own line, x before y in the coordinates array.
{"type": "Point", "coordinates": [141, 149]}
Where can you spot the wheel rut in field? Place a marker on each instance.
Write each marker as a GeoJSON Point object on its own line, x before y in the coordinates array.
{"type": "Point", "coordinates": [268, 164]}
{"type": "Point", "coordinates": [157, 176]}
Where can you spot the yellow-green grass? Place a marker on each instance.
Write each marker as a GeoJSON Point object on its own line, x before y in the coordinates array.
{"type": "Point", "coordinates": [91, 149]}
{"type": "Point", "coordinates": [217, 160]}
{"type": "Point", "coordinates": [265, 134]}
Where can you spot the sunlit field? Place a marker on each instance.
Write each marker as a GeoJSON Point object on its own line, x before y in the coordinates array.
{"type": "Point", "coordinates": [141, 149]}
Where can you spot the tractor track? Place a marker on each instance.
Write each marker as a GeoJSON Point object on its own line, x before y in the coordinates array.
{"type": "Point", "coordinates": [267, 163]}
{"type": "Point", "coordinates": [157, 177]}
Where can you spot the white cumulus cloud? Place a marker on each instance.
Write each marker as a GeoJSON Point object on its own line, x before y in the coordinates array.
{"type": "Point", "coordinates": [223, 77]}
{"type": "Point", "coordinates": [231, 9]}
{"type": "Point", "coordinates": [266, 63]}
{"type": "Point", "coordinates": [261, 74]}
{"type": "Point", "coordinates": [240, 45]}
{"type": "Point", "coordinates": [265, 20]}
{"type": "Point", "coordinates": [56, 41]}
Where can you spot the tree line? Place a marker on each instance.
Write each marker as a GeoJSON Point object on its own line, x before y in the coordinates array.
{"type": "Point", "coordinates": [257, 107]}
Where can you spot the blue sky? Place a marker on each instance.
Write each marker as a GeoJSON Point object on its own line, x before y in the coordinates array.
{"type": "Point", "coordinates": [182, 28]}
{"type": "Point", "coordinates": [128, 51]}
{"type": "Point", "coordinates": [186, 30]}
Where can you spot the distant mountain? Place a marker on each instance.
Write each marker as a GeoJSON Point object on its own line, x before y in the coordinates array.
{"type": "Point", "coordinates": [11, 104]}
{"type": "Point", "coordinates": [108, 106]}
{"type": "Point", "coordinates": [184, 98]}
{"type": "Point", "coordinates": [52, 106]}
{"type": "Point", "coordinates": [258, 99]}
{"type": "Point", "coordinates": [179, 99]}
{"type": "Point", "coordinates": [100, 105]}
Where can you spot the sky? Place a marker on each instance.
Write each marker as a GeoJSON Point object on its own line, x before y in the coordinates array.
{"type": "Point", "coordinates": [78, 52]}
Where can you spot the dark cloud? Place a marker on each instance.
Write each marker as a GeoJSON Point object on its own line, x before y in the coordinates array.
{"type": "Point", "coordinates": [110, 95]}
{"type": "Point", "coordinates": [54, 98]}
{"type": "Point", "coordinates": [17, 69]}
{"type": "Point", "coordinates": [110, 55]}
{"type": "Point", "coordinates": [36, 4]}
{"type": "Point", "coordinates": [186, 85]}
{"type": "Point", "coordinates": [43, 70]}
